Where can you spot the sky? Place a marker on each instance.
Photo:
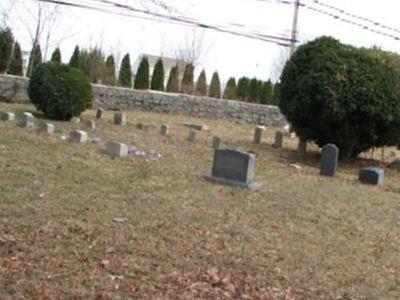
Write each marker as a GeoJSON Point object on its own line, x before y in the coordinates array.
{"type": "Point", "coordinates": [230, 55]}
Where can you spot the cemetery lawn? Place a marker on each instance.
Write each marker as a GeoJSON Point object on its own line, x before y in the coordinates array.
{"type": "Point", "coordinates": [77, 224]}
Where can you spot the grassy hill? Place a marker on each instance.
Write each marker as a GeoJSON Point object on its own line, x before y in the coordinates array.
{"type": "Point", "coordinates": [77, 224]}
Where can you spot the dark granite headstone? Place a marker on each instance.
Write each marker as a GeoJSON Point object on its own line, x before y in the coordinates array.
{"type": "Point", "coordinates": [372, 176]}
{"type": "Point", "coordinates": [234, 167]}
{"type": "Point", "coordinates": [329, 160]}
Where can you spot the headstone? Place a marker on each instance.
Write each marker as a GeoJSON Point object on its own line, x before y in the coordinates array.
{"type": "Point", "coordinates": [119, 118]}
{"type": "Point", "coordinates": [233, 167]}
{"type": "Point", "coordinates": [258, 135]}
{"type": "Point", "coordinates": [329, 160]}
{"type": "Point", "coordinates": [192, 136]}
{"type": "Point", "coordinates": [91, 124]}
{"type": "Point", "coordinates": [47, 128]}
{"type": "Point", "coordinates": [395, 164]}
{"type": "Point", "coordinates": [116, 149]}
{"type": "Point", "coordinates": [78, 136]}
{"type": "Point", "coordinates": [27, 120]}
{"type": "Point", "coordinates": [302, 147]}
{"type": "Point", "coordinates": [372, 176]}
{"type": "Point", "coordinates": [164, 130]}
{"type": "Point", "coordinates": [278, 140]}
{"type": "Point", "coordinates": [216, 142]}
{"type": "Point", "coordinates": [8, 116]}
{"type": "Point", "coordinates": [99, 113]}
{"type": "Point", "coordinates": [140, 126]}
{"type": "Point", "coordinates": [75, 120]}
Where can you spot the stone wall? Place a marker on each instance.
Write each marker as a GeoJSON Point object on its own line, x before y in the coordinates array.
{"type": "Point", "coordinates": [14, 89]}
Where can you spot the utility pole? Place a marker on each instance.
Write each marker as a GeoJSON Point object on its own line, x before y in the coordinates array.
{"type": "Point", "coordinates": [294, 27]}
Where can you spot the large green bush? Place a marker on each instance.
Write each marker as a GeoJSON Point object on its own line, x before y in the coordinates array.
{"type": "Point", "coordinates": [334, 93]}
{"type": "Point", "coordinates": [59, 91]}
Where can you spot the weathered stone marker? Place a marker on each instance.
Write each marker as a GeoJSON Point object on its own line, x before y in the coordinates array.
{"type": "Point", "coordinates": [164, 130]}
{"type": "Point", "coordinates": [47, 128]}
{"type": "Point", "coordinates": [216, 142]}
{"type": "Point", "coordinates": [27, 120]}
{"type": "Point", "coordinates": [258, 135]}
{"type": "Point", "coordinates": [119, 118]}
{"type": "Point", "coordinates": [75, 120]}
{"type": "Point", "coordinates": [329, 160]}
{"type": "Point", "coordinates": [91, 124]}
{"type": "Point", "coordinates": [140, 126]}
{"type": "Point", "coordinates": [192, 136]}
{"type": "Point", "coordinates": [395, 165]}
{"type": "Point", "coordinates": [372, 176]}
{"type": "Point", "coordinates": [232, 167]}
{"type": "Point", "coordinates": [78, 136]}
{"type": "Point", "coordinates": [8, 116]}
{"type": "Point", "coordinates": [278, 139]}
{"type": "Point", "coordinates": [99, 113]}
{"type": "Point", "coordinates": [116, 149]}
{"type": "Point", "coordinates": [302, 147]}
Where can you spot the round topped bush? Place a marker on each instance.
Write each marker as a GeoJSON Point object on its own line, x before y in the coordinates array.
{"type": "Point", "coordinates": [59, 91]}
{"type": "Point", "coordinates": [335, 93]}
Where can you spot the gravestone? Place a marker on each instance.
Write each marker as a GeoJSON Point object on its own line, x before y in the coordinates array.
{"type": "Point", "coordinates": [99, 113]}
{"type": "Point", "coordinates": [232, 167]}
{"type": "Point", "coordinates": [75, 120]}
{"type": "Point", "coordinates": [329, 160]}
{"type": "Point", "coordinates": [278, 139]}
{"type": "Point", "coordinates": [372, 176]}
{"type": "Point", "coordinates": [116, 149]}
{"type": "Point", "coordinates": [27, 120]}
{"type": "Point", "coordinates": [258, 135]}
{"type": "Point", "coordinates": [78, 136]}
{"type": "Point", "coordinates": [140, 126]}
{"type": "Point", "coordinates": [192, 136]}
{"type": "Point", "coordinates": [164, 130]}
{"type": "Point", "coordinates": [8, 116]}
{"type": "Point", "coordinates": [302, 147]}
{"type": "Point", "coordinates": [216, 142]}
{"type": "Point", "coordinates": [47, 128]}
{"type": "Point", "coordinates": [91, 124]}
{"type": "Point", "coordinates": [395, 165]}
{"type": "Point", "coordinates": [119, 118]}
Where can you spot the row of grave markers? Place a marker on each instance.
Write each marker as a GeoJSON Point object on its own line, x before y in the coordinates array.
{"type": "Point", "coordinates": [230, 167]}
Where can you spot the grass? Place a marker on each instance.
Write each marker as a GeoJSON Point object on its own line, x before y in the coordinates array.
{"type": "Point", "coordinates": [77, 224]}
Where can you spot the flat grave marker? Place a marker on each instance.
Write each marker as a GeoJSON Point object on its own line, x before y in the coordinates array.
{"type": "Point", "coordinates": [116, 149]}
{"type": "Point", "coordinates": [372, 175]}
{"type": "Point", "coordinates": [78, 136]}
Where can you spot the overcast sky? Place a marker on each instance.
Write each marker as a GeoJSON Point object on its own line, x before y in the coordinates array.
{"type": "Point", "coordinates": [230, 55]}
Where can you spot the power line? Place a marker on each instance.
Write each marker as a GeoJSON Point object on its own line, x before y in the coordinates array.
{"type": "Point", "coordinates": [281, 41]}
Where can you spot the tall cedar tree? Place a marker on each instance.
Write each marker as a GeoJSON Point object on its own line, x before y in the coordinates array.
{"type": "Point", "coordinates": [187, 85]}
{"type": "Point", "coordinates": [173, 80]}
{"type": "Point", "coordinates": [16, 65]}
{"type": "Point", "coordinates": [242, 88]}
{"type": "Point", "coordinates": [35, 59]}
{"type": "Point", "coordinates": [74, 61]}
{"type": "Point", "coordinates": [253, 90]}
{"type": "Point", "coordinates": [215, 86]}
{"type": "Point", "coordinates": [266, 93]}
{"type": "Point", "coordinates": [201, 85]}
{"type": "Point", "coordinates": [276, 94]}
{"type": "Point", "coordinates": [92, 62]}
{"type": "Point", "coordinates": [56, 56]}
{"type": "Point", "coordinates": [142, 75]}
{"type": "Point", "coordinates": [109, 76]}
{"type": "Point", "coordinates": [125, 72]}
{"type": "Point", "coordinates": [231, 89]}
{"type": "Point", "coordinates": [157, 80]}
{"type": "Point", "coordinates": [6, 48]}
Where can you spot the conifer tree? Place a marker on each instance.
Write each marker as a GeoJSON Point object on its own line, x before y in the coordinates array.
{"type": "Point", "coordinates": [201, 85]}
{"type": "Point", "coordinates": [6, 47]}
{"type": "Point", "coordinates": [35, 59]}
{"type": "Point", "coordinates": [242, 88]}
{"type": "Point", "coordinates": [16, 65]}
{"type": "Point", "coordinates": [142, 75]}
{"type": "Point", "coordinates": [125, 72]}
{"type": "Point", "coordinates": [231, 89]}
{"type": "Point", "coordinates": [56, 56]}
{"type": "Point", "coordinates": [109, 76]}
{"type": "Point", "coordinates": [187, 85]}
{"type": "Point", "coordinates": [215, 86]}
{"type": "Point", "coordinates": [157, 80]}
{"type": "Point", "coordinates": [276, 94]}
{"type": "Point", "coordinates": [74, 61]}
{"type": "Point", "coordinates": [266, 94]}
{"type": "Point", "coordinates": [253, 90]}
{"type": "Point", "coordinates": [173, 80]}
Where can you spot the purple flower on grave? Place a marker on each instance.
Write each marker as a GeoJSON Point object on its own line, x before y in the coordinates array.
{"type": "Point", "coordinates": [132, 149]}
